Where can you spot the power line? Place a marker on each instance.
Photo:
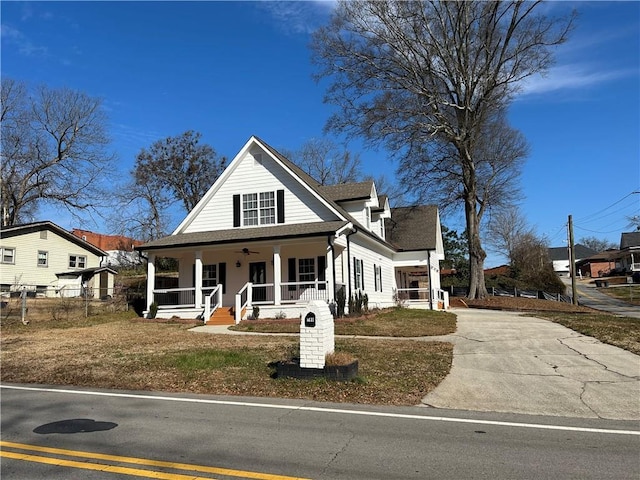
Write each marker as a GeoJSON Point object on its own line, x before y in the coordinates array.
{"type": "Point", "coordinates": [589, 217]}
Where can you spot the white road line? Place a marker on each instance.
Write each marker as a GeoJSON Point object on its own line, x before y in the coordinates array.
{"type": "Point", "coordinates": [328, 410]}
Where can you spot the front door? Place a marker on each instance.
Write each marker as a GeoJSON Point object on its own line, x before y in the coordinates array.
{"type": "Point", "coordinates": [258, 276]}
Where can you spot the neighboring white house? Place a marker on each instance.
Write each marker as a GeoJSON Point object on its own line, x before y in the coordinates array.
{"type": "Point", "coordinates": [45, 259]}
{"type": "Point", "coordinates": [267, 234]}
{"type": "Point", "coordinates": [560, 258]}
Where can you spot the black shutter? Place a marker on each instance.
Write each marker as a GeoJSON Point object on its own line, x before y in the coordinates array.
{"type": "Point", "coordinates": [236, 210]}
{"type": "Point", "coordinates": [322, 274]}
{"type": "Point", "coordinates": [222, 276]}
{"type": "Point", "coordinates": [280, 205]}
{"type": "Point", "coordinates": [375, 277]}
{"type": "Point", "coordinates": [356, 281]}
{"type": "Point", "coordinates": [362, 273]}
{"type": "Point", "coordinates": [380, 285]}
{"type": "Point", "coordinates": [291, 277]}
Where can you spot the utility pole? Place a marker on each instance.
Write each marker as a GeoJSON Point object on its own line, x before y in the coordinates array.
{"type": "Point", "coordinates": [572, 264]}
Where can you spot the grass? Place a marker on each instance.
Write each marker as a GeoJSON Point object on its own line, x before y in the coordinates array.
{"type": "Point", "coordinates": [121, 351]}
{"type": "Point", "coordinates": [395, 322]}
{"type": "Point", "coordinates": [623, 332]}
{"type": "Point", "coordinates": [627, 293]}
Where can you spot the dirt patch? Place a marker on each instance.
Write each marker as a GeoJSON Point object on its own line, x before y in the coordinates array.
{"type": "Point", "coordinates": [519, 304]}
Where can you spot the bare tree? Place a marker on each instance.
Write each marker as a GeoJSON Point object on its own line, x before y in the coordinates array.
{"type": "Point", "coordinates": [178, 168]}
{"type": "Point", "coordinates": [326, 162]}
{"type": "Point", "coordinates": [597, 244]}
{"type": "Point", "coordinates": [506, 230]}
{"type": "Point", "coordinates": [427, 78]}
{"type": "Point", "coordinates": [54, 150]}
{"type": "Point", "coordinates": [143, 212]}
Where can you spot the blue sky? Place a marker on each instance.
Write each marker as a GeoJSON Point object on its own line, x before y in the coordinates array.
{"type": "Point", "coordinates": [234, 69]}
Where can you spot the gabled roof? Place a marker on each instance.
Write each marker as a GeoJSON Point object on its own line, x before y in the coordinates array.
{"type": "Point", "coordinates": [408, 228]}
{"type": "Point", "coordinates": [329, 195]}
{"type": "Point", "coordinates": [16, 230]}
{"type": "Point", "coordinates": [562, 253]}
{"type": "Point", "coordinates": [628, 240]}
{"type": "Point", "coordinates": [347, 191]}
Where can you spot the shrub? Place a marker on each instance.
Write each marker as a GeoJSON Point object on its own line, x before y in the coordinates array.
{"type": "Point", "coordinates": [153, 310]}
{"type": "Point", "coordinates": [341, 300]}
{"type": "Point", "coordinates": [256, 312]}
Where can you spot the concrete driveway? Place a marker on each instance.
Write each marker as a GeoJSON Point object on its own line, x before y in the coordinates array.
{"type": "Point", "coordinates": [508, 362]}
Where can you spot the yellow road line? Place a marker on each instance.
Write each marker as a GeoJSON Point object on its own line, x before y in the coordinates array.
{"type": "Point", "coordinates": [135, 461]}
{"type": "Point", "coordinates": [100, 467]}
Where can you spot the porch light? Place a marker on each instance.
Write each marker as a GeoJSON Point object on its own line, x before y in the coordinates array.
{"type": "Point", "coordinates": [238, 264]}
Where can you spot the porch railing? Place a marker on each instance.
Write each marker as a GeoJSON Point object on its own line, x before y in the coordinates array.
{"type": "Point", "coordinates": [413, 294]}
{"type": "Point", "coordinates": [421, 295]}
{"type": "Point", "coordinates": [242, 300]}
{"type": "Point", "coordinates": [175, 297]}
{"type": "Point", "coordinates": [294, 292]}
{"type": "Point", "coordinates": [212, 301]}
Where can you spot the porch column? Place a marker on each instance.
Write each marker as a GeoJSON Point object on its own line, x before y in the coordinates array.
{"type": "Point", "coordinates": [277, 276]}
{"type": "Point", "coordinates": [330, 275]}
{"type": "Point", "coordinates": [198, 279]}
{"type": "Point", "coordinates": [151, 279]}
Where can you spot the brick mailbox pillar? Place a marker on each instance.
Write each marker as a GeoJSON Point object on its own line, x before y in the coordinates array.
{"type": "Point", "coordinates": [316, 335]}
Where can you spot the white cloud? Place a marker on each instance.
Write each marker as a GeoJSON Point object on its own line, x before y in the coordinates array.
{"type": "Point", "coordinates": [572, 76]}
{"type": "Point", "coordinates": [24, 46]}
{"type": "Point", "coordinates": [300, 16]}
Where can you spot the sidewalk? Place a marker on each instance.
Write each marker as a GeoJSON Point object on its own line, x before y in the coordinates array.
{"type": "Point", "coordinates": [507, 362]}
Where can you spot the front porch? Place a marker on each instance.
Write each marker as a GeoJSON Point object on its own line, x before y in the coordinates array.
{"type": "Point", "coordinates": [181, 302]}
{"type": "Point", "coordinates": [280, 280]}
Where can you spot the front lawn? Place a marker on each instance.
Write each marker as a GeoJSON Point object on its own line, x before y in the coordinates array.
{"type": "Point", "coordinates": [120, 351]}
{"type": "Point", "coordinates": [394, 322]}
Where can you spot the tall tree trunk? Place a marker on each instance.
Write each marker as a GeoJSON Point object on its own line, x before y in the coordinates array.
{"type": "Point", "coordinates": [477, 287]}
{"type": "Point", "coordinates": [477, 255]}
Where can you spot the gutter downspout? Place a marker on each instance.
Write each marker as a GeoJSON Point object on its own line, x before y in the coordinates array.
{"type": "Point", "coordinates": [333, 269]}
{"type": "Point", "coordinates": [355, 229]}
{"type": "Point", "coordinates": [430, 284]}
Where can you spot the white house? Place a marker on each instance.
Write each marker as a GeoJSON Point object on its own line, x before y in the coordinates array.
{"type": "Point", "coordinates": [267, 234]}
{"type": "Point", "coordinates": [47, 260]}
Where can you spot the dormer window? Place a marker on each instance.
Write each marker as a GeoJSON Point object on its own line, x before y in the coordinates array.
{"type": "Point", "coordinates": [367, 213]}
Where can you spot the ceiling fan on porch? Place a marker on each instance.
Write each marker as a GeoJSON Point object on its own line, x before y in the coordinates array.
{"type": "Point", "coordinates": [246, 251]}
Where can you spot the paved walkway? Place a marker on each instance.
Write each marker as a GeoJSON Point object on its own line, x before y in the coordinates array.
{"type": "Point", "coordinates": [508, 362]}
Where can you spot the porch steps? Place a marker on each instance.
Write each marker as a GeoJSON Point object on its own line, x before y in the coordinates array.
{"type": "Point", "coordinates": [222, 316]}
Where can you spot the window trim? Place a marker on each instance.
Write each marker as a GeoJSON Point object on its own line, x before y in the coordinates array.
{"type": "Point", "coordinates": [77, 261]}
{"type": "Point", "coordinates": [46, 259]}
{"type": "Point", "coordinates": [310, 273]}
{"type": "Point", "coordinates": [13, 255]}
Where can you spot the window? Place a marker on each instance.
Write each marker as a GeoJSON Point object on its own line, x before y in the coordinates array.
{"type": "Point", "coordinates": [253, 209]}
{"type": "Point", "coordinates": [77, 261]}
{"type": "Point", "coordinates": [43, 258]}
{"type": "Point", "coordinates": [250, 209]}
{"type": "Point", "coordinates": [358, 274]}
{"type": "Point", "coordinates": [377, 277]}
{"type": "Point", "coordinates": [307, 271]}
{"type": "Point", "coordinates": [209, 275]}
{"type": "Point", "coordinates": [8, 255]}
{"type": "Point", "coordinates": [259, 209]}
{"type": "Point", "coordinates": [267, 208]}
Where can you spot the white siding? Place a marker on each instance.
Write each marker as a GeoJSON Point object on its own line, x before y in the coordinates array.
{"type": "Point", "coordinates": [26, 271]}
{"type": "Point", "coordinates": [249, 176]}
{"type": "Point", "coordinates": [370, 258]}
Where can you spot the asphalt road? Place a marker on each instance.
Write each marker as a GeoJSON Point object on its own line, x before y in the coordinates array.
{"type": "Point", "coordinates": [54, 434]}
{"type": "Point", "coordinates": [590, 296]}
